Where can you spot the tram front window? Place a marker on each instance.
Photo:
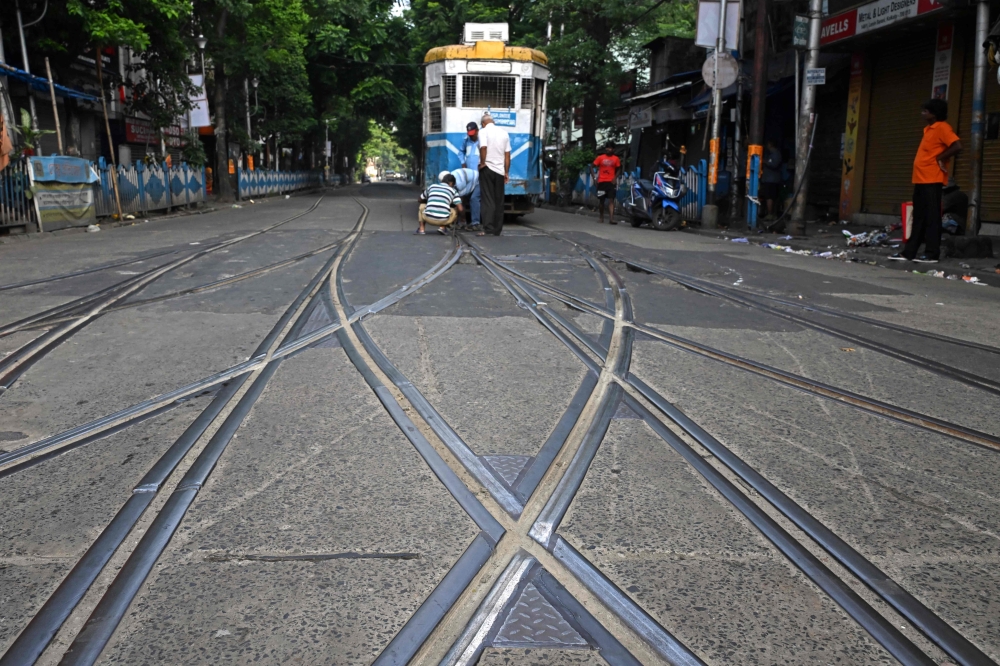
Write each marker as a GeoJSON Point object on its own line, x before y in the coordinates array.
{"type": "Point", "coordinates": [480, 92]}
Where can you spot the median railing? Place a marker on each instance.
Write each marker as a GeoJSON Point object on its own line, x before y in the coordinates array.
{"type": "Point", "coordinates": [265, 182]}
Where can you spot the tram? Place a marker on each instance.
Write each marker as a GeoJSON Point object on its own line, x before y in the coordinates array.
{"type": "Point", "coordinates": [485, 74]}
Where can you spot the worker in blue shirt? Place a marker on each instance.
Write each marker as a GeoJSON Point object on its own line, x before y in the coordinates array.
{"type": "Point", "coordinates": [470, 160]}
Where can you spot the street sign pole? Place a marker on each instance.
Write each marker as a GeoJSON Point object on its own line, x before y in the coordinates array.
{"type": "Point", "coordinates": [710, 213]}
{"type": "Point", "coordinates": [807, 120]}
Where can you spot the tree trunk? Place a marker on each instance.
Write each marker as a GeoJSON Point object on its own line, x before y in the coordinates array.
{"type": "Point", "coordinates": [598, 30]}
{"type": "Point", "coordinates": [223, 185]}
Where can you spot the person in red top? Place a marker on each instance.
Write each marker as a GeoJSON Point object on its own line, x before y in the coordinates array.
{"type": "Point", "coordinates": [608, 166]}
{"type": "Point", "coordinates": [930, 174]}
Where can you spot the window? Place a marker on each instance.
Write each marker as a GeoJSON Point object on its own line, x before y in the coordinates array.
{"type": "Point", "coordinates": [434, 92]}
{"type": "Point", "coordinates": [435, 115]}
{"type": "Point", "coordinates": [495, 92]}
{"type": "Point", "coordinates": [527, 93]}
{"type": "Point", "coordinates": [449, 91]}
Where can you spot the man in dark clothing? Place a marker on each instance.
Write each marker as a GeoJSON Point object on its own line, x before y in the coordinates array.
{"type": "Point", "coordinates": [770, 184]}
{"type": "Point", "coordinates": [930, 173]}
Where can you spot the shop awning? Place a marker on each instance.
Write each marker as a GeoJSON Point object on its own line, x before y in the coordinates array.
{"type": "Point", "coordinates": [669, 85]}
{"type": "Point", "coordinates": [703, 99]}
{"type": "Point", "coordinates": [42, 85]}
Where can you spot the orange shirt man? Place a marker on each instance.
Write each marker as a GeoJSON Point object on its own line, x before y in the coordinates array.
{"type": "Point", "coordinates": [608, 167]}
{"type": "Point", "coordinates": [930, 174]}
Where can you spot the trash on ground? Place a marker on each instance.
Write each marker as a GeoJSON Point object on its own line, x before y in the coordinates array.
{"type": "Point", "coordinates": [740, 240]}
{"type": "Point", "coordinates": [848, 349]}
{"type": "Point", "coordinates": [867, 238]}
{"type": "Point", "coordinates": [786, 238]}
{"type": "Point", "coordinates": [92, 228]}
{"type": "Point", "coordinates": [288, 196]}
{"type": "Point", "coordinates": [237, 206]}
{"type": "Point", "coordinates": [965, 265]}
{"type": "Point", "coordinates": [937, 274]}
{"type": "Point", "coordinates": [972, 279]}
{"type": "Point", "coordinates": [130, 217]}
{"type": "Point", "coordinates": [955, 277]}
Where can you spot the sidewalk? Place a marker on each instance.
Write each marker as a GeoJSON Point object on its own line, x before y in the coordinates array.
{"type": "Point", "coordinates": [827, 241]}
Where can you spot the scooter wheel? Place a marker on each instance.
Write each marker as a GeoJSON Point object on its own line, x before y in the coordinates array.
{"type": "Point", "coordinates": [666, 219]}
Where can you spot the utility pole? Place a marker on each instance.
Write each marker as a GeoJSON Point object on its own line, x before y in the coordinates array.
{"type": "Point", "coordinates": [710, 213]}
{"type": "Point", "coordinates": [55, 108]}
{"type": "Point", "coordinates": [978, 116]}
{"type": "Point", "coordinates": [27, 68]}
{"type": "Point", "coordinates": [807, 120]}
{"type": "Point", "coordinates": [734, 179]}
{"type": "Point", "coordinates": [758, 95]}
{"type": "Point", "coordinates": [107, 126]}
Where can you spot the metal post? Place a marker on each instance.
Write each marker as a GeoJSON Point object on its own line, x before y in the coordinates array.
{"type": "Point", "coordinates": [734, 180]}
{"type": "Point", "coordinates": [759, 91]}
{"type": "Point", "coordinates": [246, 94]}
{"type": "Point", "coordinates": [977, 126]}
{"type": "Point", "coordinates": [27, 68]}
{"type": "Point", "coordinates": [807, 118]}
{"type": "Point", "coordinates": [107, 126]}
{"type": "Point", "coordinates": [710, 214]}
{"type": "Point", "coordinates": [55, 108]}
{"type": "Point", "coordinates": [798, 97]}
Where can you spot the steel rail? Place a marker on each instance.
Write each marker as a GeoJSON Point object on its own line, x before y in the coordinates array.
{"type": "Point", "coordinates": [813, 387]}
{"type": "Point", "coordinates": [812, 307]}
{"type": "Point", "coordinates": [935, 628]}
{"type": "Point", "coordinates": [951, 372]}
{"type": "Point", "coordinates": [17, 363]}
{"type": "Point", "coordinates": [86, 648]}
{"type": "Point", "coordinates": [921, 617]}
{"type": "Point", "coordinates": [85, 271]}
{"type": "Point", "coordinates": [224, 282]}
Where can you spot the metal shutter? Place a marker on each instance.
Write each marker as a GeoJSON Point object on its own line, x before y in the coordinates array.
{"type": "Point", "coordinates": [991, 149]}
{"type": "Point", "coordinates": [901, 82]}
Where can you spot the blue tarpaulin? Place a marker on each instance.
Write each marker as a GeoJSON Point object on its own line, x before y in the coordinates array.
{"type": "Point", "coordinates": [58, 169]}
{"type": "Point", "coordinates": [42, 85]}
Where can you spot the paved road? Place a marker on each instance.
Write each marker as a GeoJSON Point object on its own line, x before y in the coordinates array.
{"type": "Point", "coordinates": [297, 433]}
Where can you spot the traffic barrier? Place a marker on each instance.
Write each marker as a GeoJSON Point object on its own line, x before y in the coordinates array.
{"type": "Point", "coordinates": [265, 182]}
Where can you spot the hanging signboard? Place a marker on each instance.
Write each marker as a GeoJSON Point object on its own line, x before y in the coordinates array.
{"type": "Point", "coordinates": [800, 32]}
{"type": "Point", "coordinates": [872, 16]}
{"type": "Point", "coordinates": [942, 61]}
{"type": "Point", "coordinates": [640, 117]}
{"type": "Point", "coordinates": [708, 25]}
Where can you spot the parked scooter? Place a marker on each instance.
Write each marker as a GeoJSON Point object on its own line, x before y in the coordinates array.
{"type": "Point", "coordinates": [658, 201]}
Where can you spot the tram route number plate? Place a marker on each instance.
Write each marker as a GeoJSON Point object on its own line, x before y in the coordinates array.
{"type": "Point", "coordinates": [504, 118]}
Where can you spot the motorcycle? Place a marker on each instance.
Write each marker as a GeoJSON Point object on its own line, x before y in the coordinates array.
{"type": "Point", "coordinates": [658, 201]}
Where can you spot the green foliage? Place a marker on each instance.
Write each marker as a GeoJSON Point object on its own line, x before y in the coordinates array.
{"type": "Point", "coordinates": [574, 161]}
{"type": "Point", "coordinates": [194, 151]}
{"type": "Point", "coordinates": [383, 147]}
{"type": "Point", "coordinates": [30, 138]}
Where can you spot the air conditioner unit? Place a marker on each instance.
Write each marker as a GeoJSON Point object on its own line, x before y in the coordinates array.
{"type": "Point", "coordinates": [486, 32]}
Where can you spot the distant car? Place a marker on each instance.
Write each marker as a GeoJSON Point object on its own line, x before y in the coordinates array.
{"type": "Point", "coordinates": [365, 178]}
{"type": "Point", "coordinates": [390, 175]}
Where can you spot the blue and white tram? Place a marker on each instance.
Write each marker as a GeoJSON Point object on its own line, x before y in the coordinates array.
{"type": "Point", "coordinates": [462, 81]}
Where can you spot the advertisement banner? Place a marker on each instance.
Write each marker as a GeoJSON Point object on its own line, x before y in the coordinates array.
{"type": "Point", "coordinates": [57, 169]}
{"type": "Point", "coordinates": [198, 116]}
{"type": "Point", "coordinates": [851, 132]}
{"type": "Point", "coordinates": [63, 204]}
{"type": "Point", "coordinates": [872, 16]}
{"type": "Point", "coordinates": [942, 61]}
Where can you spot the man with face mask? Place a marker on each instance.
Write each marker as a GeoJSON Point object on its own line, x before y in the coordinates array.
{"type": "Point", "coordinates": [470, 160]}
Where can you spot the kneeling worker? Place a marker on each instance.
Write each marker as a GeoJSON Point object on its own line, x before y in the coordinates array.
{"type": "Point", "coordinates": [439, 205]}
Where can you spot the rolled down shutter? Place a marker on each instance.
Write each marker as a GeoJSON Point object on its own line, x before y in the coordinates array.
{"type": "Point", "coordinates": [901, 82]}
{"type": "Point", "coordinates": [962, 122]}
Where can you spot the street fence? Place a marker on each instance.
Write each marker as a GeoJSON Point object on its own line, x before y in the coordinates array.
{"type": "Point", "coordinates": [695, 176]}
{"type": "Point", "coordinates": [265, 182]}
{"type": "Point", "coordinates": [144, 187]}
{"type": "Point", "coordinates": [16, 208]}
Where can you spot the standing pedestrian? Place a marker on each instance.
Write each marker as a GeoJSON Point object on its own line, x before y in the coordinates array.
{"type": "Point", "coordinates": [470, 160]}
{"type": "Point", "coordinates": [494, 172]}
{"type": "Point", "coordinates": [930, 173]}
{"type": "Point", "coordinates": [607, 167]}
{"type": "Point", "coordinates": [770, 184]}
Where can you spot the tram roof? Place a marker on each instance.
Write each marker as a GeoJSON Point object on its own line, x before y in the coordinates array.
{"type": "Point", "coordinates": [486, 51]}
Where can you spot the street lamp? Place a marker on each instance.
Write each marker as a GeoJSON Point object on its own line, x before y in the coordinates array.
{"type": "Point", "coordinates": [202, 42]}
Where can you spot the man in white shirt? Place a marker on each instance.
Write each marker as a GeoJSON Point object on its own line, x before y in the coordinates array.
{"type": "Point", "coordinates": [494, 172]}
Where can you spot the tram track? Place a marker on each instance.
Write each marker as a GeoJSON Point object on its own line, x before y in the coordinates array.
{"type": "Point", "coordinates": [929, 623]}
{"type": "Point", "coordinates": [17, 363]}
{"type": "Point", "coordinates": [283, 341]}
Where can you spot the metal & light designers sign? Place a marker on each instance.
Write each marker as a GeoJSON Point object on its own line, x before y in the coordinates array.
{"type": "Point", "coordinates": [872, 16]}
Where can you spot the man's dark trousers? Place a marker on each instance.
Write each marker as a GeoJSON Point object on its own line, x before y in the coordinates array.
{"type": "Point", "coordinates": [491, 187]}
{"type": "Point", "coordinates": [926, 221]}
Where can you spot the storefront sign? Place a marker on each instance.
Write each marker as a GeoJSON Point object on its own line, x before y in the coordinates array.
{"type": "Point", "coordinates": [873, 16]}
{"type": "Point", "coordinates": [942, 61]}
{"type": "Point", "coordinates": [639, 118]}
{"type": "Point", "coordinates": [850, 147]}
{"type": "Point", "coordinates": [139, 131]}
